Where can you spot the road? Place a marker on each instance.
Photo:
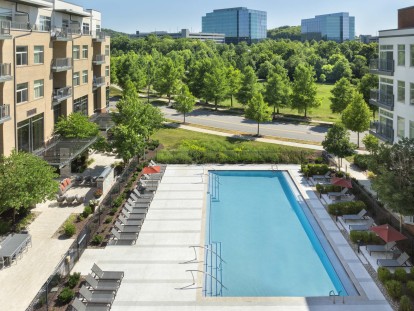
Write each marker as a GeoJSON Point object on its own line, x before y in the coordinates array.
{"type": "Point", "coordinates": [285, 129]}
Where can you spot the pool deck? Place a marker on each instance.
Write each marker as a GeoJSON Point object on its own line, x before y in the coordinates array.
{"type": "Point", "coordinates": [154, 268]}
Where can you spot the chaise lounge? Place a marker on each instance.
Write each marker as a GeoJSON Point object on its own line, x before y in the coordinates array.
{"type": "Point", "coordinates": [380, 248]}
{"type": "Point", "coordinates": [400, 261]}
{"type": "Point", "coordinates": [106, 275]}
{"type": "Point", "coordinates": [363, 227]}
{"type": "Point", "coordinates": [96, 297]}
{"type": "Point", "coordinates": [78, 305]}
{"type": "Point", "coordinates": [102, 285]}
{"type": "Point", "coordinates": [359, 216]}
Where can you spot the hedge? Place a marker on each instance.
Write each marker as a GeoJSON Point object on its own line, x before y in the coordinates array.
{"type": "Point", "coordinates": [321, 188]}
{"type": "Point", "coordinates": [314, 169]}
{"type": "Point", "coordinates": [346, 208]}
{"type": "Point", "coordinates": [361, 160]}
{"type": "Point", "coordinates": [365, 237]}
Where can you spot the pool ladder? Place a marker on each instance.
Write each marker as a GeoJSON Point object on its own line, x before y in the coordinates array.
{"type": "Point", "coordinates": [332, 294]}
{"type": "Point", "coordinates": [215, 188]}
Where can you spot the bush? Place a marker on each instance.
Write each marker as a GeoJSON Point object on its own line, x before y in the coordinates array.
{"type": "Point", "coordinates": [346, 208]}
{"type": "Point", "coordinates": [97, 193]}
{"type": "Point", "coordinates": [410, 288]}
{"type": "Point", "coordinates": [73, 280]}
{"type": "Point", "coordinates": [394, 289]}
{"type": "Point", "coordinates": [118, 201]}
{"type": "Point", "coordinates": [400, 274]}
{"type": "Point", "coordinates": [66, 295]}
{"type": "Point", "coordinates": [314, 169]}
{"type": "Point", "coordinates": [97, 239]}
{"type": "Point", "coordinates": [108, 220]}
{"type": "Point", "coordinates": [87, 211]}
{"type": "Point", "coordinates": [69, 229]}
{"type": "Point", "coordinates": [5, 227]}
{"type": "Point", "coordinates": [113, 211]}
{"type": "Point", "coordinates": [361, 160]}
{"type": "Point", "coordinates": [365, 237]}
{"type": "Point", "coordinates": [327, 188]}
{"type": "Point", "coordinates": [384, 274]}
{"type": "Point", "coordinates": [405, 304]}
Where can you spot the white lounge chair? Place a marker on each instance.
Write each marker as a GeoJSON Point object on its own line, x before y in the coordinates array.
{"type": "Point", "coordinates": [142, 195]}
{"type": "Point", "coordinates": [327, 176]}
{"type": "Point", "coordinates": [124, 236]}
{"type": "Point", "coordinates": [380, 248]}
{"type": "Point", "coordinates": [358, 216]}
{"type": "Point", "coordinates": [400, 261]}
{"type": "Point", "coordinates": [363, 227]}
{"type": "Point", "coordinates": [95, 297]}
{"type": "Point", "coordinates": [338, 194]}
{"type": "Point", "coordinates": [78, 305]}
{"type": "Point", "coordinates": [102, 285]}
{"type": "Point", "coordinates": [106, 275]}
{"type": "Point", "coordinates": [127, 229]}
{"type": "Point", "coordinates": [130, 222]}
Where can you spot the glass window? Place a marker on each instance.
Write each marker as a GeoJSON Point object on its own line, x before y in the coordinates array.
{"type": "Point", "coordinates": [39, 54]}
{"type": "Point", "coordinates": [400, 127]}
{"type": "Point", "coordinates": [107, 50]}
{"type": "Point", "coordinates": [412, 93]}
{"type": "Point", "coordinates": [107, 73]}
{"type": "Point", "coordinates": [84, 51]}
{"type": "Point", "coordinates": [76, 52]}
{"type": "Point", "coordinates": [30, 134]}
{"type": "Point", "coordinates": [401, 91]}
{"type": "Point", "coordinates": [85, 76]}
{"type": "Point", "coordinates": [85, 28]}
{"type": "Point", "coordinates": [401, 54]}
{"type": "Point", "coordinates": [412, 55]}
{"type": "Point", "coordinates": [44, 23]}
{"type": "Point", "coordinates": [22, 92]}
{"type": "Point", "coordinates": [411, 129]}
{"type": "Point", "coordinates": [65, 23]}
{"type": "Point", "coordinates": [81, 105]}
{"type": "Point", "coordinates": [76, 78]}
{"type": "Point", "coordinates": [21, 55]}
{"type": "Point", "coordinates": [38, 88]}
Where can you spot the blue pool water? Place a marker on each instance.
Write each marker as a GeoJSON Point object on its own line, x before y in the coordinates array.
{"type": "Point", "coordinates": [257, 227]}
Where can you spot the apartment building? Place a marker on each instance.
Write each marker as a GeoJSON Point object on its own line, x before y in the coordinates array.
{"type": "Point", "coordinates": [395, 93]}
{"type": "Point", "coordinates": [54, 60]}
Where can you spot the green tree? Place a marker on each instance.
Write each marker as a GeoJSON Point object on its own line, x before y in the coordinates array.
{"type": "Point", "coordinates": [371, 143]}
{"type": "Point", "coordinates": [248, 86]}
{"type": "Point", "coordinates": [368, 82]}
{"type": "Point", "coordinates": [127, 142]}
{"type": "Point", "coordinates": [76, 125]}
{"type": "Point", "coordinates": [337, 142]}
{"type": "Point", "coordinates": [25, 180]}
{"type": "Point", "coordinates": [169, 77]}
{"type": "Point", "coordinates": [342, 94]}
{"type": "Point", "coordinates": [234, 82]}
{"type": "Point", "coordinates": [258, 110]}
{"type": "Point", "coordinates": [356, 117]}
{"type": "Point", "coordinates": [359, 66]}
{"type": "Point", "coordinates": [185, 101]}
{"type": "Point", "coordinates": [277, 91]}
{"type": "Point", "coordinates": [304, 89]}
{"type": "Point", "coordinates": [215, 84]}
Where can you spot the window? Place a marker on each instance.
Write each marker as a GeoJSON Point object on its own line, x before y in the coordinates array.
{"type": "Point", "coordinates": [44, 23]}
{"type": "Point", "coordinates": [401, 55]}
{"type": "Point", "coordinates": [76, 52]}
{"type": "Point", "coordinates": [22, 92]}
{"type": "Point", "coordinates": [401, 91]}
{"type": "Point", "coordinates": [412, 93]}
{"type": "Point", "coordinates": [85, 76]}
{"type": "Point", "coordinates": [98, 28]}
{"type": "Point", "coordinates": [21, 55]}
{"type": "Point", "coordinates": [411, 129]}
{"type": "Point", "coordinates": [65, 23]}
{"type": "Point", "coordinates": [38, 88]}
{"type": "Point", "coordinates": [107, 50]}
{"type": "Point", "coordinates": [107, 73]}
{"type": "Point", "coordinates": [38, 54]}
{"type": "Point", "coordinates": [84, 51]}
{"type": "Point", "coordinates": [81, 105]}
{"type": "Point", "coordinates": [412, 55]}
{"type": "Point", "coordinates": [400, 127]}
{"type": "Point", "coordinates": [30, 134]}
{"type": "Point", "coordinates": [76, 79]}
{"type": "Point", "coordinates": [85, 28]}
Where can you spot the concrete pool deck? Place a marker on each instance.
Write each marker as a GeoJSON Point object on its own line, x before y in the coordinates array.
{"type": "Point", "coordinates": [153, 266]}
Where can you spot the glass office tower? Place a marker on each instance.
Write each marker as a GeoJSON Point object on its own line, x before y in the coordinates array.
{"type": "Point", "coordinates": [238, 24]}
{"type": "Point", "coordinates": [337, 27]}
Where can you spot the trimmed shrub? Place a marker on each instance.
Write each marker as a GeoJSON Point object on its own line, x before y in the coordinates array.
{"type": "Point", "coordinates": [346, 208]}
{"type": "Point", "coordinates": [314, 169]}
{"type": "Point", "coordinates": [113, 211]}
{"type": "Point", "coordinates": [87, 211]}
{"type": "Point", "coordinates": [97, 239]}
{"type": "Point", "coordinates": [405, 304]}
{"type": "Point", "coordinates": [361, 160]}
{"type": "Point", "coordinates": [118, 201]}
{"type": "Point", "coordinates": [69, 229]}
{"type": "Point", "coordinates": [108, 220]}
{"type": "Point", "coordinates": [365, 237]}
{"type": "Point", "coordinates": [5, 227]}
{"type": "Point", "coordinates": [66, 295]}
{"type": "Point", "coordinates": [400, 274]}
{"type": "Point", "coordinates": [73, 280]}
{"type": "Point", "coordinates": [327, 188]}
{"type": "Point", "coordinates": [394, 289]}
{"type": "Point", "coordinates": [410, 288]}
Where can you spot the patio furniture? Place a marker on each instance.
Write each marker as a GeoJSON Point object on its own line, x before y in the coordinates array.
{"type": "Point", "coordinates": [136, 210]}
{"type": "Point", "coordinates": [359, 216]}
{"type": "Point", "coordinates": [65, 185]}
{"type": "Point", "coordinates": [102, 285]}
{"type": "Point", "coordinates": [137, 204]}
{"type": "Point", "coordinates": [148, 187]}
{"type": "Point", "coordinates": [142, 195]}
{"type": "Point", "coordinates": [130, 222]}
{"type": "Point", "coordinates": [325, 177]}
{"type": "Point", "coordinates": [124, 236]}
{"type": "Point", "coordinates": [95, 297]}
{"type": "Point", "coordinates": [133, 216]}
{"type": "Point", "coordinates": [80, 199]}
{"type": "Point", "coordinates": [106, 275]}
{"type": "Point", "coordinates": [70, 199]}
{"type": "Point", "coordinates": [135, 198]}
{"type": "Point", "coordinates": [400, 261]}
{"type": "Point", "coordinates": [338, 195]}
{"type": "Point", "coordinates": [127, 229]}
{"type": "Point", "coordinates": [13, 246]}
{"type": "Point", "coordinates": [380, 248]}
{"type": "Point", "coordinates": [363, 227]}
{"type": "Point", "coordinates": [152, 177]}
{"type": "Point", "coordinates": [80, 306]}
{"type": "Point", "coordinates": [60, 198]}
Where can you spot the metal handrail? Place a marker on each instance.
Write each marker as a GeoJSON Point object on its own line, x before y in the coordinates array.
{"type": "Point", "coordinates": [99, 58]}
{"type": "Point", "coordinates": [20, 25]}
{"type": "Point", "coordinates": [98, 80]}
{"type": "Point", "coordinates": [205, 248]}
{"type": "Point", "coordinates": [62, 62]}
{"type": "Point", "coordinates": [382, 64]}
{"type": "Point", "coordinates": [62, 92]}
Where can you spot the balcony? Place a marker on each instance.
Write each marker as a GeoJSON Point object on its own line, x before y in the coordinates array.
{"type": "Point", "coordinates": [4, 113]}
{"type": "Point", "coordinates": [61, 94]}
{"type": "Point", "coordinates": [5, 73]}
{"type": "Point", "coordinates": [99, 36]}
{"type": "Point", "coordinates": [382, 131]}
{"type": "Point", "coordinates": [5, 30]}
{"type": "Point", "coordinates": [382, 99]}
{"type": "Point", "coordinates": [98, 82]}
{"type": "Point", "coordinates": [99, 60]}
{"type": "Point", "coordinates": [64, 34]}
{"type": "Point", "coordinates": [61, 64]}
{"type": "Point", "coordinates": [382, 67]}
{"type": "Point", "coordinates": [20, 25]}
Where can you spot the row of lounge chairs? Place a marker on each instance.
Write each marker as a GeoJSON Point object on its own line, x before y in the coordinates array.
{"type": "Point", "coordinates": [76, 199]}
{"type": "Point", "coordinates": [100, 291]}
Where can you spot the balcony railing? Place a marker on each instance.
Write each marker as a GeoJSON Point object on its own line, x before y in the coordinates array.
{"type": "Point", "coordinates": [5, 30]}
{"type": "Point", "coordinates": [64, 34]}
{"type": "Point", "coordinates": [382, 66]}
{"type": "Point", "coordinates": [4, 113]}
{"type": "Point", "coordinates": [382, 99]}
{"type": "Point", "coordinates": [99, 36]}
{"type": "Point", "coordinates": [5, 72]}
{"type": "Point", "coordinates": [99, 59]}
{"type": "Point", "coordinates": [382, 131]}
{"type": "Point", "coordinates": [20, 25]}
{"type": "Point", "coordinates": [61, 64]}
{"type": "Point", "coordinates": [61, 94]}
{"type": "Point", "coordinates": [98, 82]}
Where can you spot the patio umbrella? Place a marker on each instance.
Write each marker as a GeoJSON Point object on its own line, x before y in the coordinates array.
{"type": "Point", "coordinates": [151, 170]}
{"type": "Point", "coordinates": [344, 183]}
{"type": "Point", "coordinates": [388, 233]}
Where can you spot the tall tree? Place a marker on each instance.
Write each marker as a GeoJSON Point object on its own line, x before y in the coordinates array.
{"type": "Point", "coordinates": [342, 94]}
{"type": "Point", "coordinates": [215, 84]}
{"type": "Point", "coordinates": [277, 91]}
{"type": "Point", "coordinates": [185, 101]}
{"type": "Point", "coordinates": [258, 110]}
{"type": "Point", "coordinates": [234, 82]}
{"type": "Point", "coordinates": [356, 117]}
{"type": "Point", "coordinates": [304, 89]}
{"type": "Point", "coordinates": [337, 142]}
{"type": "Point", "coordinates": [76, 125]}
{"type": "Point", "coordinates": [248, 86]}
{"type": "Point", "coordinates": [127, 142]}
{"type": "Point", "coordinates": [168, 79]}
{"type": "Point", "coordinates": [368, 82]}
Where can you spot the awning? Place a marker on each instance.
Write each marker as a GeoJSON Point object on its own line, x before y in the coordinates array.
{"type": "Point", "coordinates": [388, 233]}
{"type": "Point", "coordinates": [344, 183]}
{"type": "Point", "coordinates": [151, 170]}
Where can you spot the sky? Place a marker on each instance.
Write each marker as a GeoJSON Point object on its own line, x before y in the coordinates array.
{"type": "Point", "coordinates": [172, 15]}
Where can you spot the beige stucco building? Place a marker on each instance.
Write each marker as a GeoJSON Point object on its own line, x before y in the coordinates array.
{"type": "Point", "coordinates": [54, 60]}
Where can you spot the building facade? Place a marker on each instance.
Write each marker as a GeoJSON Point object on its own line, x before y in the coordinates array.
{"type": "Point", "coordinates": [54, 60]}
{"type": "Point", "coordinates": [395, 93]}
{"type": "Point", "coordinates": [185, 33]}
{"type": "Point", "coordinates": [237, 24]}
{"type": "Point", "coordinates": [337, 27]}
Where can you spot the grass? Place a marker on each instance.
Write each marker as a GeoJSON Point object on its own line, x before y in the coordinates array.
{"type": "Point", "coordinates": [114, 92]}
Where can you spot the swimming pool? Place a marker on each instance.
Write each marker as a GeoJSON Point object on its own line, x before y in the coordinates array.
{"type": "Point", "coordinates": [261, 242]}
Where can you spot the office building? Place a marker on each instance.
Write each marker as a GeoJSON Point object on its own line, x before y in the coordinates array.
{"type": "Point", "coordinates": [395, 93]}
{"type": "Point", "coordinates": [54, 60]}
{"type": "Point", "coordinates": [337, 27]}
{"type": "Point", "coordinates": [184, 33]}
{"type": "Point", "coordinates": [367, 39]}
{"type": "Point", "coordinates": [237, 24]}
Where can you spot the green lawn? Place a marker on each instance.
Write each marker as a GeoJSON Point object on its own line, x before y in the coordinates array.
{"type": "Point", "coordinates": [114, 92]}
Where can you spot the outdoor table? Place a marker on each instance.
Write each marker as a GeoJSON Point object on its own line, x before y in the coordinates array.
{"type": "Point", "coordinates": [13, 245]}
